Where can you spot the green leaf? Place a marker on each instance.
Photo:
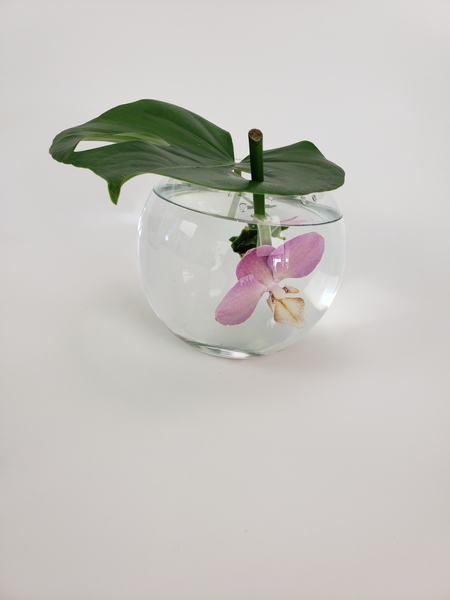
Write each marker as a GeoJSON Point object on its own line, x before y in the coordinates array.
{"type": "Point", "coordinates": [150, 136]}
{"type": "Point", "coordinates": [296, 170]}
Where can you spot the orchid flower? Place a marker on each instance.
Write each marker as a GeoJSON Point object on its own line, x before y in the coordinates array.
{"type": "Point", "coordinates": [261, 270]}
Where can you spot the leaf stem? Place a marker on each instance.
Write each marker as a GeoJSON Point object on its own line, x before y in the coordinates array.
{"type": "Point", "coordinates": [255, 138]}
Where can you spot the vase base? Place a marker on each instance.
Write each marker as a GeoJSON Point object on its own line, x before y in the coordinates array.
{"type": "Point", "coordinates": [223, 352]}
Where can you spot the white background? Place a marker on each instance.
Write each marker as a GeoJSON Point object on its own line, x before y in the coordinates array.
{"type": "Point", "coordinates": [132, 466]}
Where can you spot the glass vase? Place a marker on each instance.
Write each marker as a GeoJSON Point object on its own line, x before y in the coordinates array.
{"type": "Point", "coordinates": [230, 283]}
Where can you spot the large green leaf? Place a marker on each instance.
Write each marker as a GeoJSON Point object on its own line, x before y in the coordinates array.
{"type": "Point", "coordinates": [155, 137]}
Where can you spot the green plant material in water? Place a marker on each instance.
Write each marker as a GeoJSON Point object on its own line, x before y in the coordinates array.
{"type": "Point", "coordinates": [248, 238]}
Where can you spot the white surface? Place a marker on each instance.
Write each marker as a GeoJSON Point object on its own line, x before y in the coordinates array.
{"type": "Point", "coordinates": [133, 467]}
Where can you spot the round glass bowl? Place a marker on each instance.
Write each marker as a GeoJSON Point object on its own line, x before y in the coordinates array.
{"type": "Point", "coordinates": [234, 285]}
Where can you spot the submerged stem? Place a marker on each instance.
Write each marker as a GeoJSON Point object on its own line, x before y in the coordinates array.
{"type": "Point", "coordinates": [234, 205]}
{"type": "Point", "coordinates": [264, 235]}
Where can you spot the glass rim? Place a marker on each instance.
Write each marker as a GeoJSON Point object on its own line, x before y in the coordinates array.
{"type": "Point", "coordinates": [287, 211]}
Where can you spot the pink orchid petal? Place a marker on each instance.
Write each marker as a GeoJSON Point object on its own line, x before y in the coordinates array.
{"type": "Point", "coordinates": [255, 262]}
{"type": "Point", "coordinates": [289, 311]}
{"type": "Point", "coordinates": [297, 257]}
{"type": "Point", "coordinates": [240, 302]}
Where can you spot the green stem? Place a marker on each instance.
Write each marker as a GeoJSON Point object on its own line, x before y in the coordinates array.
{"type": "Point", "coordinates": [259, 205]}
{"type": "Point", "coordinates": [255, 138]}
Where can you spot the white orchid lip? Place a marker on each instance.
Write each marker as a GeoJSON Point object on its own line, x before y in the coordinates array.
{"type": "Point", "coordinates": [261, 270]}
{"type": "Point", "coordinates": [289, 311]}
